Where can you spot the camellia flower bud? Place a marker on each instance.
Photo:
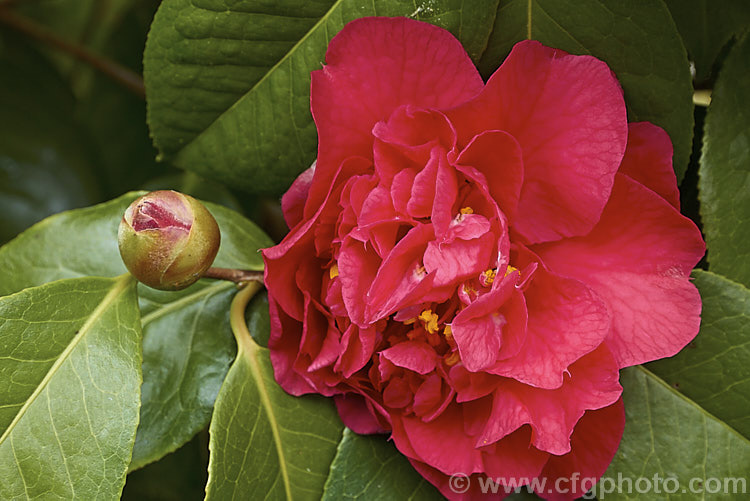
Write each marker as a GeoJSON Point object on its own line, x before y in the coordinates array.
{"type": "Point", "coordinates": [168, 239]}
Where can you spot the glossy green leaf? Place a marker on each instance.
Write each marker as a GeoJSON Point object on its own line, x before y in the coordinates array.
{"type": "Point", "coordinates": [371, 468]}
{"type": "Point", "coordinates": [70, 363]}
{"type": "Point", "coordinates": [187, 343]}
{"type": "Point", "coordinates": [725, 169]}
{"type": "Point", "coordinates": [714, 370]}
{"type": "Point", "coordinates": [668, 435]}
{"type": "Point", "coordinates": [706, 27]}
{"type": "Point", "coordinates": [45, 161]}
{"type": "Point", "coordinates": [264, 441]}
{"type": "Point", "coordinates": [638, 40]}
{"type": "Point", "coordinates": [228, 83]}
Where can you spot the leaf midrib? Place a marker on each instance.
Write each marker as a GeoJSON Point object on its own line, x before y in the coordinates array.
{"type": "Point", "coordinates": [251, 352]}
{"type": "Point", "coordinates": [120, 284]}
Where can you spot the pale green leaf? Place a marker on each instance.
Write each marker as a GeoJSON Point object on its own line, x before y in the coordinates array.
{"type": "Point", "coordinates": [70, 368]}
{"type": "Point", "coordinates": [264, 441]}
{"type": "Point", "coordinates": [637, 39]}
{"type": "Point", "coordinates": [724, 182]}
{"type": "Point", "coordinates": [228, 84]}
{"type": "Point", "coordinates": [187, 343]}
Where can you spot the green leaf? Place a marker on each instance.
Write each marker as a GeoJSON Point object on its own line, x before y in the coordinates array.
{"type": "Point", "coordinates": [197, 187]}
{"type": "Point", "coordinates": [179, 476]}
{"type": "Point", "coordinates": [45, 161]}
{"type": "Point", "coordinates": [264, 441]}
{"type": "Point", "coordinates": [84, 22]}
{"type": "Point", "coordinates": [668, 435]}
{"type": "Point", "coordinates": [70, 365]}
{"type": "Point", "coordinates": [370, 467]}
{"type": "Point", "coordinates": [228, 84]}
{"type": "Point", "coordinates": [114, 116]}
{"type": "Point", "coordinates": [638, 40]}
{"type": "Point", "coordinates": [706, 27]}
{"type": "Point", "coordinates": [187, 343]}
{"type": "Point", "coordinates": [725, 169]}
{"type": "Point", "coordinates": [714, 370]}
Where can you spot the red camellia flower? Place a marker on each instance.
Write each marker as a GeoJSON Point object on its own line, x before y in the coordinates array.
{"type": "Point", "coordinates": [469, 266]}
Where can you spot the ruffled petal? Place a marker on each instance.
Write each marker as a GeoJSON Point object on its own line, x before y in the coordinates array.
{"type": "Point", "coordinates": [568, 114]}
{"type": "Point", "coordinates": [416, 356]}
{"type": "Point", "coordinates": [498, 157]}
{"type": "Point", "coordinates": [594, 444]}
{"type": "Point", "coordinates": [639, 262]}
{"type": "Point", "coordinates": [553, 414]}
{"type": "Point", "coordinates": [374, 65]}
{"type": "Point", "coordinates": [648, 160]}
{"type": "Point", "coordinates": [567, 320]}
{"type": "Point", "coordinates": [293, 201]}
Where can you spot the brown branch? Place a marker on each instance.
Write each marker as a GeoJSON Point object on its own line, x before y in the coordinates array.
{"type": "Point", "coordinates": [232, 275]}
{"type": "Point", "coordinates": [129, 79]}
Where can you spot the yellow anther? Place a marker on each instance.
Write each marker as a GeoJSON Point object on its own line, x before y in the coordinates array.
{"type": "Point", "coordinates": [488, 276]}
{"type": "Point", "coordinates": [510, 269]}
{"type": "Point", "coordinates": [452, 359]}
{"type": "Point", "coordinates": [430, 321]}
{"type": "Point", "coordinates": [448, 332]}
{"type": "Point", "coordinates": [333, 271]}
{"type": "Point", "coordinates": [420, 271]}
{"type": "Point", "coordinates": [467, 210]}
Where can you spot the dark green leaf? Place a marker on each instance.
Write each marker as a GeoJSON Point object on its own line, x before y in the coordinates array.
{"type": "Point", "coordinates": [706, 26]}
{"type": "Point", "coordinates": [228, 84]}
{"type": "Point", "coordinates": [668, 435]}
{"type": "Point", "coordinates": [70, 365]}
{"type": "Point", "coordinates": [179, 476]}
{"type": "Point", "coordinates": [265, 441]}
{"type": "Point", "coordinates": [45, 162]}
{"type": "Point", "coordinates": [258, 320]}
{"type": "Point", "coordinates": [638, 40]}
{"type": "Point", "coordinates": [371, 468]}
{"type": "Point", "coordinates": [714, 370]}
{"type": "Point", "coordinates": [187, 342]}
{"type": "Point", "coordinates": [84, 22]}
{"type": "Point", "coordinates": [197, 187]}
{"type": "Point", "coordinates": [725, 169]}
{"type": "Point", "coordinates": [114, 116]}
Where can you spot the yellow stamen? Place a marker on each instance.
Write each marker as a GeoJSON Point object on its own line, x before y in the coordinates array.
{"type": "Point", "coordinates": [453, 359]}
{"type": "Point", "coordinates": [333, 271]}
{"type": "Point", "coordinates": [510, 269]}
{"type": "Point", "coordinates": [420, 271]}
{"type": "Point", "coordinates": [448, 332]}
{"type": "Point", "coordinates": [488, 276]}
{"type": "Point", "coordinates": [430, 321]}
{"type": "Point", "coordinates": [467, 210]}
